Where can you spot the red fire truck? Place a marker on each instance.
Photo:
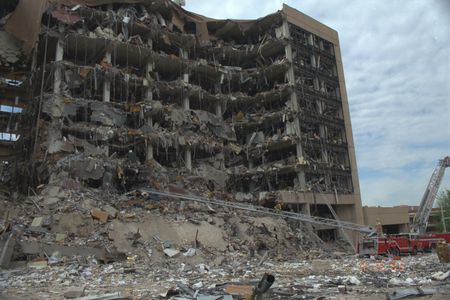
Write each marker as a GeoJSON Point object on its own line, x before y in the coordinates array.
{"type": "Point", "coordinates": [429, 241]}
{"type": "Point", "coordinates": [417, 240]}
{"type": "Point", "coordinates": [406, 243]}
{"type": "Point", "coordinates": [392, 244]}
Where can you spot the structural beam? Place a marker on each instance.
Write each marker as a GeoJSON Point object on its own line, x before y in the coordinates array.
{"type": "Point", "coordinates": [58, 72]}
{"type": "Point", "coordinates": [107, 82]}
{"type": "Point", "coordinates": [283, 32]}
{"type": "Point", "coordinates": [149, 97]}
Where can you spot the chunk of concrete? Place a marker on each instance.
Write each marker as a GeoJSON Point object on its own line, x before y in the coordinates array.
{"type": "Point", "coordinates": [88, 203]}
{"type": "Point", "coordinates": [110, 296]}
{"type": "Point", "coordinates": [37, 222]}
{"type": "Point", "coordinates": [245, 291]}
{"type": "Point", "coordinates": [36, 248]}
{"type": "Point", "coordinates": [74, 292]}
{"type": "Point", "coordinates": [40, 264]}
{"type": "Point", "coordinates": [440, 275]}
{"type": "Point", "coordinates": [170, 252]}
{"type": "Point", "coordinates": [74, 223]}
{"type": "Point", "coordinates": [100, 215]}
{"type": "Point", "coordinates": [7, 251]}
{"type": "Point", "coordinates": [51, 200]}
{"type": "Point", "coordinates": [60, 237]}
{"type": "Point", "coordinates": [112, 212]}
{"type": "Point", "coordinates": [51, 191]}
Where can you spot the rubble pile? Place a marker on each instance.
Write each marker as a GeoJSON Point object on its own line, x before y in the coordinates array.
{"type": "Point", "coordinates": [86, 234]}
{"type": "Point", "coordinates": [115, 226]}
{"type": "Point", "coordinates": [137, 245]}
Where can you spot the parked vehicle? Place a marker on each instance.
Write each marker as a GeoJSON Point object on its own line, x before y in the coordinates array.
{"type": "Point", "coordinates": [416, 240]}
{"type": "Point", "coordinates": [392, 244]}
{"type": "Point", "coordinates": [430, 241]}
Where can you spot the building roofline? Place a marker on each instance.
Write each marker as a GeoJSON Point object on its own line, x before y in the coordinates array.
{"type": "Point", "coordinates": [308, 23]}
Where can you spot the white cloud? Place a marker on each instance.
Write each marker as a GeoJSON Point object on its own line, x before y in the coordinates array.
{"type": "Point", "coordinates": [397, 66]}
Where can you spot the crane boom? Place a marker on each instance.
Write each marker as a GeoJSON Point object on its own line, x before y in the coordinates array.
{"type": "Point", "coordinates": [426, 204]}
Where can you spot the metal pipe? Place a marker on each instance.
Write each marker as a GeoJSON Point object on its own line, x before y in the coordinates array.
{"type": "Point", "coordinates": [263, 285]}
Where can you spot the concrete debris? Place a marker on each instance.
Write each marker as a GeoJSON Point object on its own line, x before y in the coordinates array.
{"type": "Point", "coordinates": [409, 292]}
{"type": "Point", "coordinates": [245, 291]}
{"type": "Point", "coordinates": [112, 212]}
{"type": "Point", "coordinates": [440, 275]}
{"type": "Point", "coordinates": [6, 254]}
{"type": "Point", "coordinates": [109, 296]}
{"type": "Point", "coordinates": [236, 247]}
{"type": "Point", "coordinates": [60, 237]}
{"type": "Point", "coordinates": [74, 292]}
{"type": "Point", "coordinates": [37, 222]}
{"type": "Point", "coordinates": [10, 52]}
{"type": "Point", "coordinates": [41, 264]}
{"type": "Point", "coordinates": [189, 252]}
{"type": "Point", "coordinates": [171, 252]}
{"type": "Point", "coordinates": [100, 215]}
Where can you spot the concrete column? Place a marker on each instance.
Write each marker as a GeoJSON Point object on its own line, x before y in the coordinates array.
{"type": "Point", "coordinates": [148, 92]}
{"type": "Point", "coordinates": [107, 82]}
{"type": "Point", "coordinates": [184, 56]}
{"type": "Point", "coordinates": [322, 130]}
{"type": "Point", "coordinates": [323, 135]}
{"type": "Point", "coordinates": [219, 109]}
{"type": "Point", "coordinates": [306, 209]}
{"type": "Point", "coordinates": [149, 148]}
{"type": "Point", "coordinates": [188, 159]}
{"type": "Point", "coordinates": [186, 103]}
{"type": "Point", "coordinates": [58, 72]}
{"type": "Point", "coordinates": [283, 32]}
{"type": "Point", "coordinates": [186, 77]}
{"type": "Point", "coordinates": [149, 97]}
{"type": "Point", "coordinates": [251, 164]}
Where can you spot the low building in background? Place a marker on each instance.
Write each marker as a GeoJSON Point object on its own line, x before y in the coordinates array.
{"type": "Point", "coordinates": [393, 219]}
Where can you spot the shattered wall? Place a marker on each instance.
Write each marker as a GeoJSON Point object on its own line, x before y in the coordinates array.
{"type": "Point", "coordinates": [144, 93]}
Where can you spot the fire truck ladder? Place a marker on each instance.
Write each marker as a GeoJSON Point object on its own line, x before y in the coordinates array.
{"type": "Point", "coordinates": [421, 218]}
{"type": "Point", "coordinates": [268, 211]}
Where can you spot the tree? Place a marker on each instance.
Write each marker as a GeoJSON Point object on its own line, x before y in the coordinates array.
{"type": "Point", "coordinates": [443, 203]}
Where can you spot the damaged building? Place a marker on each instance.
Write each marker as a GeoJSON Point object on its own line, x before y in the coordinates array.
{"type": "Point", "coordinates": [122, 94]}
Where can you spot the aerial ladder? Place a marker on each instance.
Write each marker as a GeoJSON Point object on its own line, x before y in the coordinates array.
{"type": "Point", "coordinates": [268, 211]}
{"type": "Point", "coordinates": [420, 221]}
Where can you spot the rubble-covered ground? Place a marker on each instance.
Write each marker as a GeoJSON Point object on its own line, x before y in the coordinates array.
{"type": "Point", "coordinates": [146, 247]}
{"type": "Point", "coordinates": [346, 277]}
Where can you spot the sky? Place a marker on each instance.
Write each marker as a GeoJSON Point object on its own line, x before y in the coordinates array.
{"type": "Point", "coordinates": [396, 56]}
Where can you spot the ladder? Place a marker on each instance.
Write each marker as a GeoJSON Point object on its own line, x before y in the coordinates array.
{"type": "Point", "coordinates": [268, 211]}
{"type": "Point", "coordinates": [336, 217]}
{"type": "Point", "coordinates": [426, 204]}
{"type": "Point", "coordinates": [344, 233]}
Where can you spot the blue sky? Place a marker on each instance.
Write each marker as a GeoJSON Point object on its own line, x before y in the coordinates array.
{"type": "Point", "coordinates": [396, 58]}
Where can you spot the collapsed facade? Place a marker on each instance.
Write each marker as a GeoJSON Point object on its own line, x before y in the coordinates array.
{"type": "Point", "coordinates": [123, 94]}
